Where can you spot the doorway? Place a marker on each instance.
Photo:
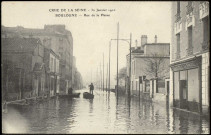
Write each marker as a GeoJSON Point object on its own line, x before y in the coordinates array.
{"type": "Point", "coordinates": [183, 94]}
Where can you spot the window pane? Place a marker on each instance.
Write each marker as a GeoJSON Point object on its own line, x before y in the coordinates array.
{"type": "Point", "coordinates": [183, 75]}
{"type": "Point", "coordinates": [178, 42]}
{"type": "Point", "coordinates": [193, 85]}
{"type": "Point", "coordinates": [190, 36]}
{"type": "Point", "coordinates": [176, 85]}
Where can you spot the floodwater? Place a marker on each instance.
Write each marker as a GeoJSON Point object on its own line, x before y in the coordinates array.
{"type": "Point", "coordinates": [103, 114]}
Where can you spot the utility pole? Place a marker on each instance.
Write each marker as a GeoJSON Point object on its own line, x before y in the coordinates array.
{"type": "Point", "coordinates": [100, 77]}
{"type": "Point", "coordinates": [117, 58]}
{"type": "Point", "coordinates": [109, 65]}
{"type": "Point", "coordinates": [103, 71]}
{"type": "Point", "coordinates": [130, 44]}
{"type": "Point", "coordinates": [130, 66]}
{"type": "Point", "coordinates": [107, 78]}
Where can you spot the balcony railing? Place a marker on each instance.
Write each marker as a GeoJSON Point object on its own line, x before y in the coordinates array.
{"type": "Point", "coordinates": [178, 17]}
{"type": "Point", "coordinates": [189, 7]}
{"type": "Point", "coordinates": [205, 46]}
{"type": "Point", "coordinates": [178, 23]}
{"type": "Point", "coordinates": [203, 9]}
{"type": "Point", "coordinates": [189, 50]}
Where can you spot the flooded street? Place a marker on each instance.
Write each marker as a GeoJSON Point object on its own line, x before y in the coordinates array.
{"type": "Point", "coordinates": [103, 114]}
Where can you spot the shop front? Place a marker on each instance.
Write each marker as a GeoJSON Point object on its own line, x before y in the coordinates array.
{"type": "Point", "coordinates": [187, 91]}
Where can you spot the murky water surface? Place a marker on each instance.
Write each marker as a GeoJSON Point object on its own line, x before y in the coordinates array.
{"type": "Point", "coordinates": [103, 114]}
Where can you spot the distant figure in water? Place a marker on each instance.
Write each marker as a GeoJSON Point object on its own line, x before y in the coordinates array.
{"type": "Point", "coordinates": [70, 90]}
{"type": "Point", "coordinates": [91, 88]}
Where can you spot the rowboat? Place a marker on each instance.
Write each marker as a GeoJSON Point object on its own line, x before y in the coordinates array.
{"type": "Point", "coordinates": [87, 95]}
{"type": "Point", "coordinates": [70, 95]}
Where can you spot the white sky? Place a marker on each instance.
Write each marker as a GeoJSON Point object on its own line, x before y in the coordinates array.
{"type": "Point", "coordinates": [91, 35]}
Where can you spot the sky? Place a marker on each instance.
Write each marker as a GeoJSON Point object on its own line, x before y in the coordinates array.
{"type": "Point", "coordinates": [91, 35]}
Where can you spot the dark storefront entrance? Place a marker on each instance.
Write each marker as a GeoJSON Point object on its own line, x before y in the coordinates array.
{"type": "Point", "coordinates": [187, 85]}
{"type": "Point", "coordinates": [183, 94]}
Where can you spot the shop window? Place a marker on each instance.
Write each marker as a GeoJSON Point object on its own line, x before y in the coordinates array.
{"type": "Point", "coordinates": [183, 89]}
{"type": "Point", "coordinates": [193, 85]}
{"type": "Point", "coordinates": [176, 85]}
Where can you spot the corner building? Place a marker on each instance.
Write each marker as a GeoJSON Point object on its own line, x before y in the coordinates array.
{"type": "Point", "coordinates": [189, 60]}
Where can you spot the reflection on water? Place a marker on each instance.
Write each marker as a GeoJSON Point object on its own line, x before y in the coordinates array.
{"type": "Point", "coordinates": [103, 114]}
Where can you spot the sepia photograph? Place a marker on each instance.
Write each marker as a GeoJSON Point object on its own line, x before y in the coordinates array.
{"type": "Point", "coordinates": [105, 67]}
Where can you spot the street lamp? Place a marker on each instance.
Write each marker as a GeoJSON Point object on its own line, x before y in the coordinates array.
{"type": "Point", "coordinates": [129, 42]}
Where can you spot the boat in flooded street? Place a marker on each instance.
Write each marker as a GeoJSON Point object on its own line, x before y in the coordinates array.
{"type": "Point", "coordinates": [87, 95]}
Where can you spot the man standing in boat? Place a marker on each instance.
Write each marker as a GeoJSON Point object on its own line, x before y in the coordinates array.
{"type": "Point", "coordinates": [91, 87]}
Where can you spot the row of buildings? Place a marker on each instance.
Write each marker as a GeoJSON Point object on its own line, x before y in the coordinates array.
{"type": "Point", "coordinates": [37, 62]}
{"type": "Point", "coordinates": [178, 72]}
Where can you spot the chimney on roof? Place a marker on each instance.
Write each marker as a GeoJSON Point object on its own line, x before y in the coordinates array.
{"type": "Point", "coordinates": [155, 38]}
{"type": "Point", "coordinates": [143, 39]}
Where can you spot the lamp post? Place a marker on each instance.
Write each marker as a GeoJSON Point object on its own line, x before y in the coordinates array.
{"type": "Point", "coordinates": [109, 66]}
{"type": "Point", "coordinates": [107, 78]}
{"type": "Point", "coordinates": [103, 71]}
{"type": "Point", "coordinates": [117, 80]}
{"type": "Point", "coordinates": [100, 77]}
{"type": "Point", "coordinates": [129, 42]}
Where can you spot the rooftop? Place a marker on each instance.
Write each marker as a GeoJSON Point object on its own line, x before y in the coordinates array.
{"type": "Point", "coordinates": [48, 30]}
{"type": "Point", "coordinates": [19, 44]}
{"type": "Point", "coordinates": [156, 44]}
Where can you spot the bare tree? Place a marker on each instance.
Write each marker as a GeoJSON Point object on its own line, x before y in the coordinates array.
{"type": "Point", "coordinates": [156, 66]}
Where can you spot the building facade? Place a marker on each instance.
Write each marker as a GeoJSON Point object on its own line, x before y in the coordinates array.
{"type": "Point", "coordinates": [141, 56]}
{"type": "Point", "coordinates": [51, 61]}
{"type": "Point", "coordinates": [56, 38]}
{"type": "Point", "coordinates": [189, 72]}
{"type": "Point", "coordinates": [23, 72]}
